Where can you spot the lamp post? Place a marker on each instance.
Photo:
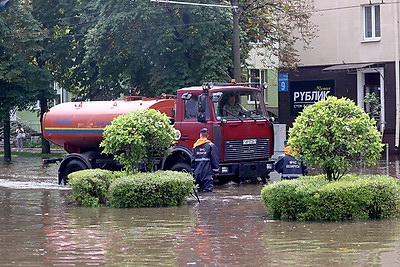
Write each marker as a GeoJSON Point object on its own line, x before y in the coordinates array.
{"type": "Point", "coordinates": [237, 72]}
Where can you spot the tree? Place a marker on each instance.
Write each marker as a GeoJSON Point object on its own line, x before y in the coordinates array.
{"type": "Point", "coordinates": [62, 20]}
{"type": "Point", "coordinates": [20, 76]}
{"type": "Point", "coordinates": [143, 134]}
{"type": "Point", "coordinates": [100, 49]}
{"type": "Point", "coordinates": [277, 26]}
{"type": "Point", "coordinates": [139, 47]}
{"type": "Point", "coordinates": [131, 50]}
{"type": "Point", "coordinates": [67, 23]}
{"type": "Point", "coordinates": [333, 134]}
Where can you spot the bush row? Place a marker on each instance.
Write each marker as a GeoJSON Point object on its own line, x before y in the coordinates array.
{"type": "Point", "coordinates": [98, 187]}
{"type": "Point", "coordinates": [352, 197]}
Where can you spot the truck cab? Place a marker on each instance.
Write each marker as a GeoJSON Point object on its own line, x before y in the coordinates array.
{"type": "Point", "coordinates": [244, 136]}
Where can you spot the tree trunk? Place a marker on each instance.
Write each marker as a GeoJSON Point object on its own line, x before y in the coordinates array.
{"type": "Point", "coordinates": [45, 143]}
{"type": "Point", "coordinates": [6, 133]}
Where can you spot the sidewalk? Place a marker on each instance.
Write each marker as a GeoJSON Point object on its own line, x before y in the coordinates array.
{"type": "Point", "coordinates": [35, 150]}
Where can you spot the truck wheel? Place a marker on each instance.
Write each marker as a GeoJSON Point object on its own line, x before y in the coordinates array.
{"type": "Point", "coordinates": [181, 167]}
{"type": "Point", "coordinates": [72, 166]}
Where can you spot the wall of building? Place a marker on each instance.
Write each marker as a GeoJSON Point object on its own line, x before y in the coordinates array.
{"type": "Point", "coordinates": [341, 42]}
{"type": "Point", "coordinates": [340, 37]}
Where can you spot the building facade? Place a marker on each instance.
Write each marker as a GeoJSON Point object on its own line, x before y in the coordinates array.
{"type": "Point", "coordinates": [356, 55]}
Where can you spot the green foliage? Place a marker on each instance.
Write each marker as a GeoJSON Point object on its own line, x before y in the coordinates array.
{"type": "Point", "coordinates": [314, 198]}
{"type": "Point", "coordinates": [288, 199]}
{"type": "Point", "coordinates": [90, 187]}
{"type": "Point", "coordinates": [134, 48]}
{"type": "Point", "coordinates": [374, 104]}
{"type": "Point", "coordinates": [100, 49]}
{"type": "Point", "coordinates": [262, 26]}
{"type": "Point", "coordinates": [67, 22]}
{"type": "Point", "coordinates": [333, 134]}
{"type": "Point", "coordinates": [21, 79]}
{"type": "Point", "coordinates": [138, 135]}
{"type": "Point", "coordinates": [157, 189]}
{"type": "Point", "coordinates": [97, 187]}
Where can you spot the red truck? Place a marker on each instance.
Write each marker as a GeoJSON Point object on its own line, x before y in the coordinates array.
{"type": "Point", "coordinates": [245, 140]}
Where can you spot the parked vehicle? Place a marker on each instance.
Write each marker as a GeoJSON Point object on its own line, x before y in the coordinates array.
{"type": "Point", "coordinates": [245, 140]}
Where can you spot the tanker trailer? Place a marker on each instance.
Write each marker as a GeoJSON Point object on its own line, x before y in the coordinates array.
{"type": "Point", "coordinates": [78, 127]}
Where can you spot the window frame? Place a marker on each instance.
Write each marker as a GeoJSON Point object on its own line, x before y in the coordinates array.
{"type": "Point", "coordinates": [373, 24]}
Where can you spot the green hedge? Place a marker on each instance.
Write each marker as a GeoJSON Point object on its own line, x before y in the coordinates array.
{"type": "Point", "coordinates": [314, 198]}
{"type": "Point", "coordinates": [161, 188]}
{"type": "Point", "coordinates": [97, 187]}
{"type": "Point", "coordinates": [90, 187]}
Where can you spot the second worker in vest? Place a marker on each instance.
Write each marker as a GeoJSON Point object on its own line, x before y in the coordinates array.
{"type": "Point", "coordinates": [289, 166]}
{"type": "Point", "coordinates": [205, 162]}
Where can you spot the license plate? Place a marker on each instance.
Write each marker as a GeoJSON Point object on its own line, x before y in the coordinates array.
{"type": "Point", "coordinates": [249, 141]}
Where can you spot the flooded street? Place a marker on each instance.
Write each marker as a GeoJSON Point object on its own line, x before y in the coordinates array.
{"type": "Point", "coordinates": [39, 226]}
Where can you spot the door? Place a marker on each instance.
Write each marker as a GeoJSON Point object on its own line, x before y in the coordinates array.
{"type": "Point", "coordinates": [371, 94]}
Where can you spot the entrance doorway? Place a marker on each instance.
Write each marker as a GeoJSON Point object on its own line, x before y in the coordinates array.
{"type": "Point", "coordinates": [371, 94]}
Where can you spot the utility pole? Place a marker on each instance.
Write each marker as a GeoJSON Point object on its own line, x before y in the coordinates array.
{"type": "Point", "coordinates": [237, 71]}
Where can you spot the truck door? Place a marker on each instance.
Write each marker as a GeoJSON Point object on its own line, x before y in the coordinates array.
{"type": "Point", "coordinates": [189, 125]}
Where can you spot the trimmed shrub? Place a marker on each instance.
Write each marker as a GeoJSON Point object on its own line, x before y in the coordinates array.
{"type": "Point", "coordinates": [90, 187]}
{"type": "Point", "coordinates": [314, 198]}
{"type": "Point", "coordinates": [333, 134]}
{"type": "Point", "coordinates": [289, 199]}
{"type": "Point", "coordinates": [157, 189]}
{"type": "Point", "coordinates": [137, 135]}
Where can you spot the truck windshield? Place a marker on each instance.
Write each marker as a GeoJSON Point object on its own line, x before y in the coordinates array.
{"type": "Point", "coordinates": [243, 105]}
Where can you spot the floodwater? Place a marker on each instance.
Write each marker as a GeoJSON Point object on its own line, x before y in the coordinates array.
{"type": "Point", "coordinates": [39, 226]}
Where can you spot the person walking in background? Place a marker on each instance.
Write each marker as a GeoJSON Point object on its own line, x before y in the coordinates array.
{"type": "Point", "coordinates": [288, 166]}
{"type": "Point", "coordinates": [20, 138]}
{"type": "Point", "coordinates": [205, 162]}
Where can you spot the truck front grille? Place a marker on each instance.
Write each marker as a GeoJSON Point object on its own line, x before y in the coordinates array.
{"type": "Point", "coordinates": [238, 149]}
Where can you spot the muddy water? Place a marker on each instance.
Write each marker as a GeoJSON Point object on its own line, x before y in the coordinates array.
{"type": "Point", "coordinates": [40, 227]}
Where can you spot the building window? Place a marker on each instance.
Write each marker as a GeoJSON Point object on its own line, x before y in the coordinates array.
{"type": "Point", "coordinates": [256, 79]}
{"type": "Point", "coordinates": [372, 22]}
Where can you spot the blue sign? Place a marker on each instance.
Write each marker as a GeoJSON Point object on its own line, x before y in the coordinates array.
{"type": "Point", "coordinates": [283, 82]}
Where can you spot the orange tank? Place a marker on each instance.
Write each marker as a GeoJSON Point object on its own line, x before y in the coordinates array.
{"type": "Point", "coordinates": [78, 126]}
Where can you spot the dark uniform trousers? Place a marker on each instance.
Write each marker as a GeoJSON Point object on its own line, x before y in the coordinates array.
{"type": "Point", "coordinates": [205, 163]}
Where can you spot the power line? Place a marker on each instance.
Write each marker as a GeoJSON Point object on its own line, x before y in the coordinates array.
{"type": "Point", "coordinates": [192, 4]}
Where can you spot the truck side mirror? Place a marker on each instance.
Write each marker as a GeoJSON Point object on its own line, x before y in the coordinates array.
{"type": "Point", "coordinates": [186, 96]}
{"type": "Point", "coordinates": [201, 104]}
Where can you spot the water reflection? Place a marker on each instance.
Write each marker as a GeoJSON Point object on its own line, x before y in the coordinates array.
{"type": "Point", "coordinates": [109, 236]}
{"type": "Point", "coordinates": [227, 231]}
{"type": "Point", "coordinates": [365, 243]}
